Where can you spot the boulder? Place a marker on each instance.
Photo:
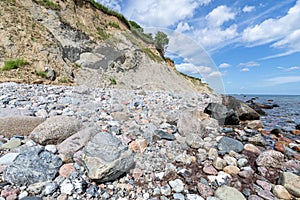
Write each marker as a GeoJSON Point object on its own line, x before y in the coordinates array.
{"type": "Point", "coordinates": [222, 114]}
{"type": "Point", "coordinates": [76, 142]}
{"type": "Point", "coordinates": [291, 182]}
{"type": "Point", "coordinates": [227, 144]}
{"type": "Point", "coordinates": [270, 158]}
{"type": "Point", "coordinates": [18, 125]}
{"type": "Point", "coordinates": [189, 123]}
{"type": "Point", "coordinates": [55, 130]}
{"type": "Point", "coordinates": [32, 165]}
{"type": "Point", "coordinates": [229, 193]}
{"type": "Point", "coordinates": [106, 157]}
{"type": "Point", "coordinates": [243, 111]}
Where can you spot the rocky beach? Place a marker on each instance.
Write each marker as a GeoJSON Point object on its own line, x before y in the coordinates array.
{"type": "Point", "coordinates": [75, 142]}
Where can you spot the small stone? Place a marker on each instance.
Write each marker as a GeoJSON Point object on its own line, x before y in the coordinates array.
{"type": "Point", "coordinates": [66, 187]}
{"type": "Point", "coordinates": [51, 148]}
{"type": "Point", "coordinates": [23, 194]}
{"type": "Point", "coordinates": [280, 192]}
{"type": "Point", "coordinates": [92, 191]}
{"type": "Point", "coordinates": [230, 160]}
{"type": "Point", "coordinates": [295, 132]}
{"type": "Point", "coordinates": [242, 162]}
{"type": "Point", "coordinates": [223, 178]}
{"type": "Point", "coordinates": [66, 170]}
{"type": "Point", "coordinates": [257, 140]}
{"type": "Point", "coordinates": [246, 174]}
{"type": "Point", "coordinates": [159, 175]}
{"type": "Point", "coordinates": [265, 185]}
{"type": "Point", "coordinates": [8, 158]}
{"type": "Point", "coordinates": [193, 197]}
{"type": "Point", "coordinates": [291, 182]}
{"type": "Point", "coordinates": [231, 169]}
{"type": "Point", "coordinates": [165, 190]}
{"type": "Point", "coordinates": [138, 145]}
{"type": "Point", "coordinates": [265, 194]}
{"type": "Point", "coordinates": [164, 135]}
{"type": "Point", "coordinates": [204, 190]}
{"type": "Point", "coordinates": [252, 148]}
{"type": "Point", "coordinates": [62, 197]}
{"type": "Point", "coordinates": [36, 188]}
{"type": "Point", "coordinates": [11, 144]}
{"type": "Point", "coordinates": [227, 144]}
{"type": "Point", "coordinates": [255, 124]}
{"type": "Point", "coordinates": [209, 169]}
{"type": "Point", "coordinates": [219, 163]}
{"type": "Point", "coordinates": [177, 185]}
{"type": "Point", "coordinates": [212, 153]}
{"type": "Point", "coordinates": [254, 197]}
{"type": "Point", "coordinates": [178, 196]}
{"type": "Point", "coordinates": [229, 193]}
{"type": "Point", "coordinates": [270, 158]}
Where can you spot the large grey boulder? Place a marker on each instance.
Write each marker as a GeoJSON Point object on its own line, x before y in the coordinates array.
{"type": "Point", "coordinates": [18, 125]}
{"type": "Point", "coordinates": [243, 111]}
{"type": "Point", "coordinates": [55, 130]}
{"type": "Point", "coordinates": [189, 123]}
{"type": "Point", "coordinates": [106, 157]}
{"type": "Point", "coordinates": [76, 142]}
{"type": "Point", "coordinates": [33, 165]}
{"type": "Point", "coordinates": [221, 113]}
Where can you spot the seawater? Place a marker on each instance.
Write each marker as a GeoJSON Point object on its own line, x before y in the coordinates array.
{"type": "Point", "coordinates": [285, 117]}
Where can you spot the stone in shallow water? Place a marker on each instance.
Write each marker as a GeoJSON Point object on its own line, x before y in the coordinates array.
{"type": "Point", "coordinates": [227, 144]}
{"type": "Point", "coordinates": [33, 165]}
{"type": "Point", "coordinates": [106, 157]}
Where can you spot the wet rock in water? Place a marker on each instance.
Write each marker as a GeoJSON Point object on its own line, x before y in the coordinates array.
{"type": "Point", "coordinates": [276, 131]}
{"type": "Point", "coordinates": [298, 127]}
{"type": "Point", "coordinates": [257, 108]}
{"type": "Point", "coordinates": [106, 157]}
{"type": "Point", "coordinates": [243, 111]}
{"type": "Point", "coordinates": [55, 130]}
{"type": "Point", "coordinates": [291, 182]}
{"type": "Point", "coordinates": [227, 144]}
{"type": "Point", "coordinates": [18, 125]}
{"type": "Point", "coordinates": [76, 142]}
{"type": "Point", "coordinates": [229, 193]}
{"type": "Point", "coordinates": [270, 158]}
{"type": "Point", "coordinates": [255, 124]}
{"type": "Point", "coordinates": [33, 165]}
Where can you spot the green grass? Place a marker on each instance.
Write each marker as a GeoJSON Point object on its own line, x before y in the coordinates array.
{"type": "Point", "coordinates": [48, 4]}
{"type": "Point", "coordinates": [13, 64]}
{"type": "Point", "coordinates": [113, 81]}
{"type": "Point", "coordinates": [110, 12]}
{"type": "Point", "coordinates": [152, 55]}
{"type": "Point", "coordinates": [114, 24]}
{"type": "Point", "coordinates": [41, 74]}
{"type": "Point", "coordinates": [64, 80]}
{"type": "Point", "coordinates": [102, 33]}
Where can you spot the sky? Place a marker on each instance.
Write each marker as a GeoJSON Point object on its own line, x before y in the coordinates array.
{"type": "Point", "coordinates": [237, 47]}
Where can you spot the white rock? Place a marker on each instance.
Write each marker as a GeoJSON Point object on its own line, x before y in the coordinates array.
{"type": "Point", "coordinates": [51, 148]}
{"type": "Point", "coordinates": [66, 187]}
{"type": "Point", "coordinates": [8, 159]}
{"type": "Point", "coordinates": [177, 185]}
{"type": "Point", "coordinates": [193, 197]}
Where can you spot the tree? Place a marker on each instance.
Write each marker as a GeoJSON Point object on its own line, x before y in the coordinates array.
{"type": "Point", "coordinates": [161, 41]}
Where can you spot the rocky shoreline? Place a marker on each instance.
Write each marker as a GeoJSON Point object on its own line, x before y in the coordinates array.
{"type": "Point", "coordinates": [61, 142]}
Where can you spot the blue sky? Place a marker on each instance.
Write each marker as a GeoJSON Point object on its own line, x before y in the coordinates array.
{"type": "Point", "coordinates": [249, 47]}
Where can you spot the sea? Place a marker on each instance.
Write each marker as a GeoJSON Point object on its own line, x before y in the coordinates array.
{"type": "Point", "coordinates": [285, 117]}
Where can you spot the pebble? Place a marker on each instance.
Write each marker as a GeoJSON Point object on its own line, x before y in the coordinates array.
{"type": "Point", "coordinates": [229, 193]}
{"type": "Point", "coordinates": [193, 197]}
{"type": "Point", "coordinates": [66, 170]}
{"type": "Point", "coordinates": [231, 169]}
{"type": "Point", "coordinates": [281, 192]}
{"type": "Point", "coordinates": [165, 190]}
{"type": "Point", "coordinates": [11, 144]}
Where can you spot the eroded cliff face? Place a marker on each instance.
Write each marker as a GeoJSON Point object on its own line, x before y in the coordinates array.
{"type": "Point", "coordinates": [73, 42]}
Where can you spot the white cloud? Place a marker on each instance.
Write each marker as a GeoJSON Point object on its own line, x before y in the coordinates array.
{"type": "Point", "coordinates": [282, 80]}
{"type": "Point", "coordinates": [156, 13]}
{"type": "Point", "coordinates": [224, 65]}
{"type": "Point", "coordinates": [289, 69]}
{"type": "Point", "coordinates": [284, 31]}
{"type": "Point", "coordinates": [249, 64]}
{"type": "Point", "coordinates": [191, 68]}
{"type": "Point", "coordinates": [182, 27]}
{"type": "Point", "coordinates": [112, 4]}
{"type": "Point", "coordinates": [219, 15]}
{"type": "Point", "coordinates": [248, 8]}
{"type": "Point", "coordinates": [245, 69]}
{"type": "Point", "coordinates": [214, 74]}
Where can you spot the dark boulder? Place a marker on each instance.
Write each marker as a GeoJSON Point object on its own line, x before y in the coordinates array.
{"type": "Point", "coordinates": [298, 127]}
{"type": "Point", "coordinates": [222, 114]}
{"type": "Point", "coordinates": [243, 111]}
{"type": "Point", "coordinates": [257, 108]}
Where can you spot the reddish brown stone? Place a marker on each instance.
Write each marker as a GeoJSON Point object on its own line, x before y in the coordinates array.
{"type": "Point", "coordinates": [138, 145]}
{"type": "Point", "coordinates": [209, 169]}
{"type": "Point", "coordinates": [66, 170]}
{"type": "Point", "coordinates": [204, 190]}
{"type": "Point", "coordinates": [279, 147]}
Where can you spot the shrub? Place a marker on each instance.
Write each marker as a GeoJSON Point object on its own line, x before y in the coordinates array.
{"type": "Point", "coordinates": [41, 74]}
{"type": "Point", "coordinates": [13, 64]}
{"type": "Point", "coordinates": [102, 33]}
{"type": "Point", "coordinates": [113, 81]}
{"type": "Point", "coordinates": [161, 40]}
{"type": "Point", "coordinates": [114, 24]}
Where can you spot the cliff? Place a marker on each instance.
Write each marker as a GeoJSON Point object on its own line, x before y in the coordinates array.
{"type": "Point", "coordinates": [81, 42]}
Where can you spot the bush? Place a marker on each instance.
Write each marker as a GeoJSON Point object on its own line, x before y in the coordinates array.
{"type": "Point", "coordinates": [48, 4]}
{"type": "Point", "coordinates": [13, 64]}
{"type": "Point", "coordinates": [102, 33]}
{"type": "Point", "coordinates": [161, 41]}
{"type": "Point", "coordinates": [41, 74]}
{"type": "Point", "coordinates": [114, 24]}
